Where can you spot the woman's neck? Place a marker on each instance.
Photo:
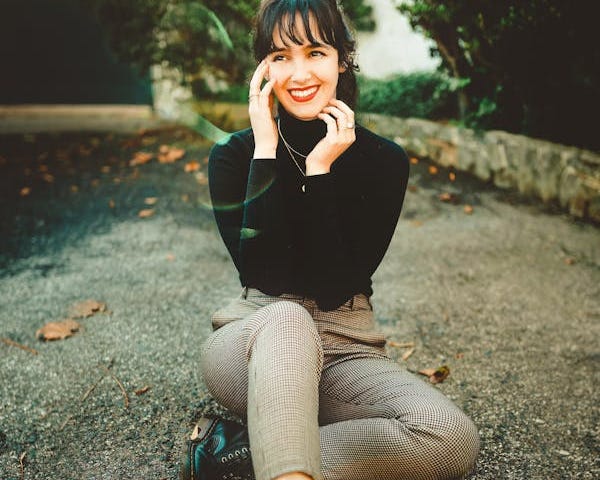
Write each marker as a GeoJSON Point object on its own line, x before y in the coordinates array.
{"type": "Point", "coordinates": [303, 135]}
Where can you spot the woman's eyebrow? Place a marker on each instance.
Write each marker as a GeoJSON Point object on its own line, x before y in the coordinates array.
{"type": "Point", "coordinates": [285, 48]}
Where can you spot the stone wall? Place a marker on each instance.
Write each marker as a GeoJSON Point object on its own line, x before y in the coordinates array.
{"type": "Point", "coordinates": [551, 172]}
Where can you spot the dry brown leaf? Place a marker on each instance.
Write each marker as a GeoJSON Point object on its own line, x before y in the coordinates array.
{"type": "Point", "coordinates": [140, 158]}
{"type": "Point", "coordinates": [185, 198]}
{"type": "Point", "coordinates": [151, 200]}
{"type": "Point", "coordinates": [433, 170]}
{"type": "Point", "coordinates": [192, 166]}
{"type": "Point", "coordinates": [452, 176]}
{"type": "Point", "coordinates": [25, 191]}
{"type": "Point", "coordinates": [105, 169]}
{"type": "Point", "coordinates": [146, 213]}
{"type": "Point", "coordinates": [446, 197]}
{"type": "Point", "coordinates": [164, 149]}
{"type": "Point", "coordinates": [171, 155]}
{"type": "Point", "coordinates": [468, 209]}
{"type": "Point", "coordinates": [406, 355]}
{"type": "Point", "coordinates": [170, 257]}
{"type": "Point", "coordinates": [43, 168]}
{"type": "Point", "coordinates": [58, 330]}
{"type": "Point", "coordinates": [414, 160]}
{"type": "Point", "coordinates": [142, 390]}
{"type": "Point", "coordinates": [459, 356]}
{"type": "Point", "coordinates": [48, 178]}
{"type": "Point", "coordinates": [412, 188]}
{"type": "Point", "coordinates": [86, 308]}
{"type": "Point", "coordinates": [392, 343]}
{"type": "Point", "coordinates": [436, 375]}
{"type": "Point", "coordinates": [416, 223]}
{"type": "Point", "coordinates": [569, 261]}
{"type": "Point", "coordinates": [111, 203]}
{"type": "Point", "coordinates": [74, 188]}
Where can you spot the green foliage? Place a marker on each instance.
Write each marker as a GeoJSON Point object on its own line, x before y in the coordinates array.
{"type": "Point", "coordinates": [360, 14]}
{"type": "Point", "coordinates": [533, 65]}
{"type": "Point", "coordinates": [208, 40]}
{"type": "Point", "coordinates": [424, 95]}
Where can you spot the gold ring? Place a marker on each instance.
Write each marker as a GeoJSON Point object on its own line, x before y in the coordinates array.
{"type": "Point", "coordinates": [349, 125]}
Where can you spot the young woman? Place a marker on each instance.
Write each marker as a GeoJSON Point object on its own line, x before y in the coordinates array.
{"type": "Point", "coordinates": [306, 202]}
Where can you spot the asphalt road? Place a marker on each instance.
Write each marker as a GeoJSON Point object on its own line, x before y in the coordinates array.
{"type": "Point", "coordinates": [506, 294]}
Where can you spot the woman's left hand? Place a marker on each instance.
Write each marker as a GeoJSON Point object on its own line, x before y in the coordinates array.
{"type": "Point", "coordinates": [339, 118]}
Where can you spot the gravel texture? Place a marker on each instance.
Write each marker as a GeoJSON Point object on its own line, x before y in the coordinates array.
{"type": "Point", "coordinates": [507, 296]}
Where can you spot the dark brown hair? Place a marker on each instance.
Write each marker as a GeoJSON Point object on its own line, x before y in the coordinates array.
{"type": "Point", "coordinates": [331, 26]}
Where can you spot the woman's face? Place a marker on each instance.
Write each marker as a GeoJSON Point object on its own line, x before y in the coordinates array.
{"type": "Point", "coordinates": [306, 75]}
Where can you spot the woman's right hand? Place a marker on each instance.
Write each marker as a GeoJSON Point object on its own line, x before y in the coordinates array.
{"type": "Point", "coordinates": [260, 109]}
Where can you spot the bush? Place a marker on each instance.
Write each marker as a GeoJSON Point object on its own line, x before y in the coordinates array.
{"type": "Point", "coordinates": [429, 95]}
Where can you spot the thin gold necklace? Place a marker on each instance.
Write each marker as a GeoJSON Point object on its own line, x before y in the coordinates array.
{"type": "Point", "coordinates": [289, 148]}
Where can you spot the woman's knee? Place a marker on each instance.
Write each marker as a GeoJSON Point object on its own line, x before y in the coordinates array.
{"type": "Point", "coordinates": [283, 323]}
{"type": "Point", "coordinates": [450, 442]}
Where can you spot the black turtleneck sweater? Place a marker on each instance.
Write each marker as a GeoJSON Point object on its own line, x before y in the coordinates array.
{"type": "Point", "coordinates": [324, 243]}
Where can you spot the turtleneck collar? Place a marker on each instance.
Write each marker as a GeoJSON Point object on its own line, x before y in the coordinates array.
{"type": "Point", "coordinates": [300, 134]}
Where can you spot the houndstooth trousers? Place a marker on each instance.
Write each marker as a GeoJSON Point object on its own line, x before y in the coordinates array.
{"type": "Point", "coordinates": [321, 397]}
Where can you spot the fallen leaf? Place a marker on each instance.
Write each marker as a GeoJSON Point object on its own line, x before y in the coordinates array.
{"type": "Point", "coordinates": [452, 176]}
{"type": "Point", "coordinates": [74, 188]}
{"type": "Point", "coordinates": [170, 155]}
{"type": "Point", "coordinates": [192, 166]}
{"type": "Point", "coordinates": [170, 257]}
{"type": "Point", "coordinates": [416, 223]}
{"type": "Point", "coordinates": [48, 178]}
{"type": "Point", "coordinates": [105, 169]}
{"type": "Point", "coordinates": [142, 390]}
{"type": "Point", "coordinates": [25, 191]}
{"type": "Point", "coordinates": [140, 158]}
{"type": "Point", "coordinates": [447, 197]}
{"type": "Point", "coordinates": [433, 170]}
{"type": "Point", "coordinates": [86, 308]}
{"type": "Point", "coordinates": [412, 188]}
{"type": "Point", "coordinates": [185, 197]}
{"type": "Point", "coordinates": [151, 200]}
{"type": "Point", "coordinates": [392, 343]}
{"type": "Point", "coordinates": [436, 375]}
{"type": "Point", "coordinates": [43, 168]}
{"type": "Point", "coordinates": [148, 212]}
{"type": "Point", "coordinates": [117, 180]}
{"type": "Point", "coordinates": [406, 355]}
{"type": "Point", "coordinates": [414, 160]}
{"type": "Point", "coordinates": [111, 203]}
{"type": "Point", "coordinates": [164, 149]}
{"type": "Point", "coordinates": [569, 261]}
{"type": "Point", "coordinates": [459, 356]}
{"type": "Point", "coordinates": [468, 209]}
{"type": "Point", "coordinates": [58, 330]}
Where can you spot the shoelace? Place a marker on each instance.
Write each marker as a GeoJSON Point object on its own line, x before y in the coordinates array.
{"type": "Point", "coordinates": [236, 465]}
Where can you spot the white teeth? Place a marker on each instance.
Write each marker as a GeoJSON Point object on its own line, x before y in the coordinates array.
{"type": "Point", "coordinates": [303, 93]}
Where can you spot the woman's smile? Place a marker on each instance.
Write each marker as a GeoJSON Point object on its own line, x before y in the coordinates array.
{"type": "Point", "coordinates": [303, 94]}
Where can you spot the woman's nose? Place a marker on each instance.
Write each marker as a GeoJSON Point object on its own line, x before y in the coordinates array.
{"type": "Point", "coordinates": [301, 72]}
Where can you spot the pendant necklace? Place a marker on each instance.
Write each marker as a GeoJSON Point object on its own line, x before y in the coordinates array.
{"type": "Point", "coordinates": [290, 149]}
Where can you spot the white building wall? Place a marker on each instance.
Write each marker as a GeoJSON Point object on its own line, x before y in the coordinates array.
{"type": "Point", "coordinates": [394, 47]}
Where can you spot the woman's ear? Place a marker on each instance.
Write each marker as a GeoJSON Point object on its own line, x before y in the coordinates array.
{"type": "Point", "coordinates": [343, 67]}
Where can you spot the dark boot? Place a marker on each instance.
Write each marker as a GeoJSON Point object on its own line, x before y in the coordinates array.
{"type": "Point", "coordinates": [218, 450]}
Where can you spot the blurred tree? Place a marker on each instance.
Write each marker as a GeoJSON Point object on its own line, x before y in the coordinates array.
{"type": "Point", "coordinates": [360, 14]}
{"type": "Point", "coordinates": [527, 66]}
{"type": "Point", "coordinates": [206, 40]}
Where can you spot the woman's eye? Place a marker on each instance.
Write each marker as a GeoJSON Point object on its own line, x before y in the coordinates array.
{"type": "Point", "coordinates": [317, 53]}
{"type": "Point", "coordinates": [278, 58]}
